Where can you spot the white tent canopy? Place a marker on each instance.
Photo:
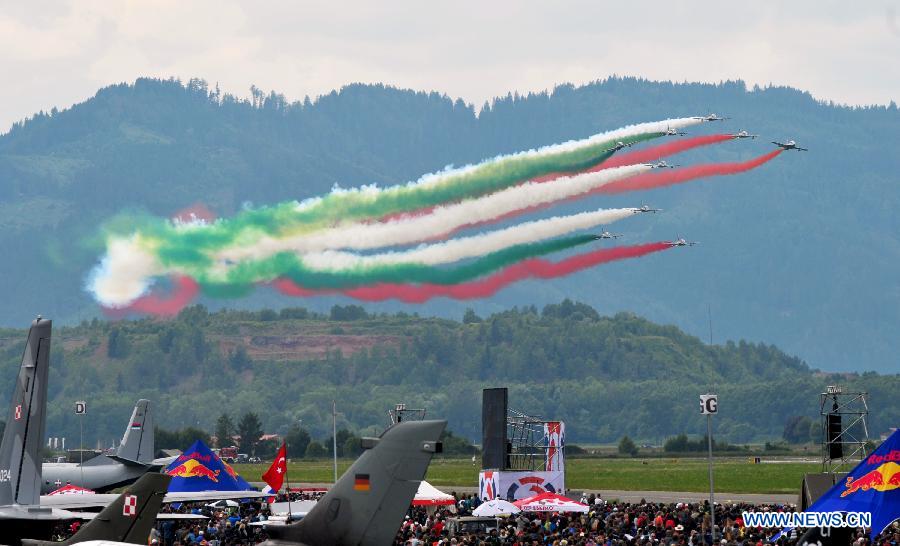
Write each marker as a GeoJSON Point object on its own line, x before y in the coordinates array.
{"type": "Point", "coordinates": [496, 507]}
{"type": "Point", "coordinates": [429, 495]}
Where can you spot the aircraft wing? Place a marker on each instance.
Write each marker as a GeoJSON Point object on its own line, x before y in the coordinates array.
{"type": "Point", "coordinates": [161, 515]}
{"type": "Point", "coordinates": [77, 502]}
{"type": "Point", "coordinates": [197, 496]}
{"type": "Point", "coordinates": [802, 149]}
{"type": "Point", "coordinates": [100, 500]}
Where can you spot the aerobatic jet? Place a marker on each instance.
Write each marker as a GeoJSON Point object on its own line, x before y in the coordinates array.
{"type": "Point", "coordinates": [660, 165]}
{"type": "Point", "coordinates": [743, 134]}
{"type": "Point", "coordinates": [681, 242]}
{"type": "Point", "coordinates": [789, 145]}
{"type": "Point", "coordinates": [711, 117]}
{"type": "Point", "coordinates": [645, 208]}
{"type": "Point", "coordinates": [674, 132]}
{"type": "Point", "coordinates": [619, 145]}
{"type": "Point", "coordinates": [607, 235]}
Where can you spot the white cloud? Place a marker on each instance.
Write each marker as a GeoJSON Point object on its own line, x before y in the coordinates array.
{"type": "Point", "coordinates": [57, 53]}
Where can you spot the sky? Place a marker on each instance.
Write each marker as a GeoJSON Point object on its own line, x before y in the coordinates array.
{"type": "Point", "coordinates": [57, 53]}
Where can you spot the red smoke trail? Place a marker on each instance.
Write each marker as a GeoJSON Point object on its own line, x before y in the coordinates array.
{"type": "Point", "coordinates": [655, 153]}
{"type": "Point", "coordinates": [669, 177]}
{"type": "Point", "coordinates": [533, 268]}
{"type": "Point", "coordinates": [184, 289]}
{"type": "Point", "coordinates": [645, 155]}
{"type": "Point", "coordinates": [652, 153]}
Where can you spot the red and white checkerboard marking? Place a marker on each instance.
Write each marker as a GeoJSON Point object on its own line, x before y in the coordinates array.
{"type": "Point", "coordinates": [130, 506]}
{"type": "Point", "coordinates": [18, 411]}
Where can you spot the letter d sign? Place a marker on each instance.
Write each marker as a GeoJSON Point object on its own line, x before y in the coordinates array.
{"type": "Point", "coordinates": [709, 404]}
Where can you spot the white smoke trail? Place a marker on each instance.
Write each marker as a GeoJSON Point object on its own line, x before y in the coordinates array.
{"type": "Point", "coordinates": [438, 222]}
{"type": "Point", "coordinates": [447, 175]}
{"type": "Point", "coordinates": [468, 247]}
{"type": "Point", "coordinates": [125, 273]}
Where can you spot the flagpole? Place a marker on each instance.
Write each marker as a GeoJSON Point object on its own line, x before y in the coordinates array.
{"type": "Point", "coordinates": [287, 481]}
{"type": "Point", "coordinates": [334, 436]}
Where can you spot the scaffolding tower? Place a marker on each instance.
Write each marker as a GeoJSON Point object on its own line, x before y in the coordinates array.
{"type": "Point", "coordinates": [845, 432]}
{"type": "Point", "coordinates": [527, 449]}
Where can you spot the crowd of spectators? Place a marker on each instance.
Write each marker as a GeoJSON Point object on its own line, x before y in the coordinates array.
{"type": "Point", "coordinates": [605, 524]}
{"type": "Point", "coordinates": [609, 524]}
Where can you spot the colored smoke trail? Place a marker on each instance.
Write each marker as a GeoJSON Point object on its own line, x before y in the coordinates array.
{"type": "Point", "coordinates": [292, 267]}
{"type": "Point", "coordinates": [178, 246]}
{"type": "Point", "coordinates": [469, 247]}
{"type": "Point", "coordinates": [440, 222]}
{"type": "Point", "coordinates": [655, 153]}
{"type": "Point", "coordinates": [669, 177]}
{"type": "Point", "coordinates": [534, 268]}
{"type": "Point", "coordinates": [184, 290]}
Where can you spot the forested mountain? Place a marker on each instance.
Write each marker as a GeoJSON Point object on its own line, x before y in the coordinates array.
{"type": "Point", "coordinates": [605, 376]}
{"type": "Point", "coordinates": [803, 252]}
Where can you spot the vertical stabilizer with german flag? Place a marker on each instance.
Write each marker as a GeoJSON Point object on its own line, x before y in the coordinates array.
{"type": "Point", "coordinates": [366, 506]}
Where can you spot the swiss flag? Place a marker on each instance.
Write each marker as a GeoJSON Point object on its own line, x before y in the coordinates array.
{"type": "Point", "coordinates": [274, 476]}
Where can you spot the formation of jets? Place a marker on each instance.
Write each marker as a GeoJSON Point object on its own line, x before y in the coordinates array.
{"type": "Point", "coordinates": [789, 145]}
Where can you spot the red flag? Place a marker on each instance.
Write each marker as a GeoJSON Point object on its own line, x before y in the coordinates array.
{"type": "Point", "coordinates": [274, 476]}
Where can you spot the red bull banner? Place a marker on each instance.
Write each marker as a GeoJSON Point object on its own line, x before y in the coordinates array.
{"type": "Point", "coordinates": [872, 486]}
{"type": "Point", "coordinates": [555, 440]}
{"type": "Point", "coordinates": [513, 485]}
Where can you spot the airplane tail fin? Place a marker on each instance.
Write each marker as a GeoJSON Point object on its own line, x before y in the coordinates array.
{"type": "Point", "coordinates": [129, 517]}
{"type": "Point", "coordinates": [367, 505]}
{"type": "Point", "coordinates": [20, 461]}
{"type": "Point", "coordinates": [137, 444]}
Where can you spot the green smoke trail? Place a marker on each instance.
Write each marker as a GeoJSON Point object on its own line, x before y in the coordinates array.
{"type": "Point", "coordinates": [241, 279]}
{"type": "Point", "coordinates": [192, 247]}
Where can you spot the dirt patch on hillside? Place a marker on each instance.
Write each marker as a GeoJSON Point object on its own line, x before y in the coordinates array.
{"type": "Point", "coordinates": [304, 347]}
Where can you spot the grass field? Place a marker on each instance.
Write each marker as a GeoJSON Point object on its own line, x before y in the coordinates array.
{"type": "Point", "coordinates": [735, 475]}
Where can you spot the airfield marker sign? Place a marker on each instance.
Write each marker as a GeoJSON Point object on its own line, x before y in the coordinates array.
{"type": "Point", "coordinates": [709, 406]}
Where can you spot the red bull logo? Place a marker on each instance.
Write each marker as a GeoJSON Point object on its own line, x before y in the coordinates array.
{"type": "Point", "coordinates": [884, 478]}
{"type": "Point", "coordinates": [231, 471]}
{"type": "Point", "coordinates": [193, 469]}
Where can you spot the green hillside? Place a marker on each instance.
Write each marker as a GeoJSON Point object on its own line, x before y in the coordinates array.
{"type": "Point", "coordinates": [605, 376]}
{"type": "Point", "coordinates": [802, 252]}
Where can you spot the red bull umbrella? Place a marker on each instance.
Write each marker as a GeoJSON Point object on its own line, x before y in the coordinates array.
{"type": "Point", "coordinates": [872, 486]}
{"type": "Point", "coordinates": [199, 469]}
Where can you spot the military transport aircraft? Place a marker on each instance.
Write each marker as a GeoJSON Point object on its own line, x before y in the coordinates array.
{"type": "Point", "coordinates": [132, 459]}
{"type": "Point", "coordinates": [645, 208]}
{"type": "Point", "coordinates": [21, 514]}
{"type": "Point", "coordinates": [789, 145]}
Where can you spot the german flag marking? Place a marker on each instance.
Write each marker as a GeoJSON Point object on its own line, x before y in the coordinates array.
{"type": "Point", "coordinates": [361, 482]}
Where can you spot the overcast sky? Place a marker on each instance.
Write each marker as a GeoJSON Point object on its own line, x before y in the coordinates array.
{"type": "Point", "coordinates": [56, 53]}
